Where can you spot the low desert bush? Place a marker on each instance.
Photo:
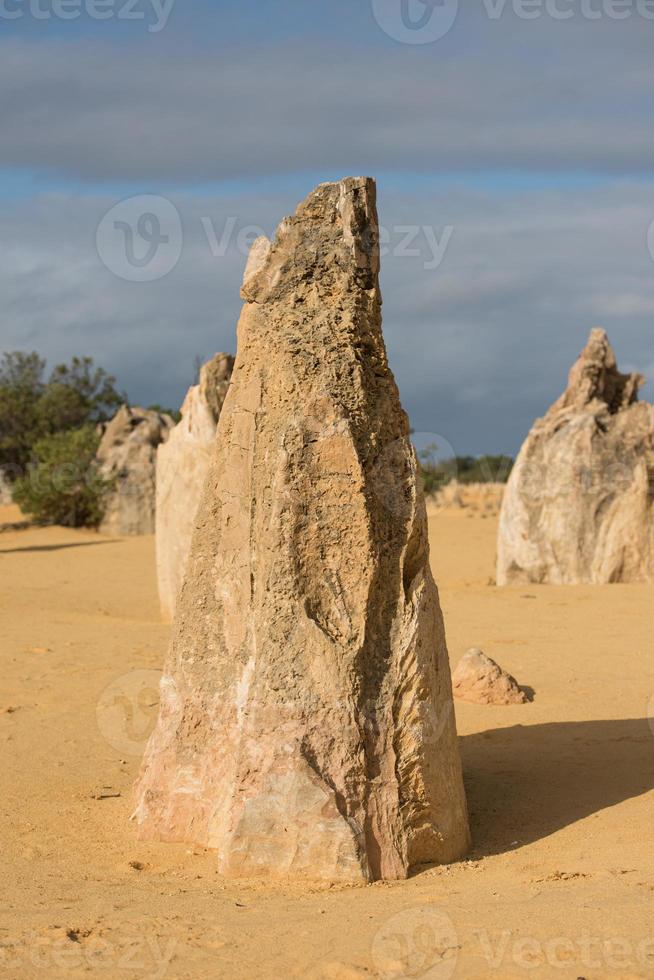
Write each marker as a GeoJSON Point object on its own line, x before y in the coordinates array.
{"type": "Point", "coordinates": [34, 406]}
{"type": "Point", "coordinates": [62, 483]}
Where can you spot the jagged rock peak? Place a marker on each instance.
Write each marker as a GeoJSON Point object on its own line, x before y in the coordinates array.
{"type": "Point", "coordinates": [595, 376]}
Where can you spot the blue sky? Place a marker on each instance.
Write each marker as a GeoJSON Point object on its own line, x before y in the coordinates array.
{"type": "Point", "coordinates": [520, 151]}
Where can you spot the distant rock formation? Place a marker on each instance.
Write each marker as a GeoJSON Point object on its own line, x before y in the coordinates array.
{"type": "Point", "coordinates": [182, 467]}
{"type": "Point", "coordinates": [579, 505]}
{"type": "Point", "coordinates": [5, 491]}
{"type": "Point", "coordinates": [477, 498]}
{"type": "Point", "coordinates": [482, 681]}
{"type": "Point", "coordinates": [306, 725]}
{"type": "Point", "coordinates": [127, 456]}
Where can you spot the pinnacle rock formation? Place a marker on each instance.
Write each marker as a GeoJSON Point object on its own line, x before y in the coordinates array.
{"type": "Point", "coordinates": [5, 490]}
{"type": "Point", "coordinates": [182, 467]}
{"type": "Point", "coordinates": [579, 505]}
{"type": "Point", "coordinates": [127, 456]}
{"type": "Point", "coordinates": [482, 681]}
{"type": "Point", "coordinates": [306, 726]}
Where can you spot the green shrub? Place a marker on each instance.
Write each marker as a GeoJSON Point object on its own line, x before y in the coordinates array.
{"type": "Point", "coordinates": [437, 473]}
{"type": "Point", "coordinates": [32, 408]}
{"type": "Point", "coordinates": [62, 484]}
{"type": "Point", "coordinates": [484, 469]}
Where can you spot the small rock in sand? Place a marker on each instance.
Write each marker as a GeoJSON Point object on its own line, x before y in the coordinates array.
{"type": "Point", "coordinates": [480, 680]}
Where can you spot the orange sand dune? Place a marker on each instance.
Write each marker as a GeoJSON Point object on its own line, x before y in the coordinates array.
{"type": "Point", "coordinates": [561, 791]}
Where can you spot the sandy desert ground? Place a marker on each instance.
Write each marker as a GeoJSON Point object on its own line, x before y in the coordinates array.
{"type": "Point", "coordinates": [560, 882]}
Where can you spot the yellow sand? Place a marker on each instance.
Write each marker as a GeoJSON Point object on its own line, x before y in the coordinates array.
{"type": "Point", "coordinates": [561, 879]}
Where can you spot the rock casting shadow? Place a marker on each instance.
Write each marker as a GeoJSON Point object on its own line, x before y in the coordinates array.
{"type": "Point", "coordinates": [528, 781]}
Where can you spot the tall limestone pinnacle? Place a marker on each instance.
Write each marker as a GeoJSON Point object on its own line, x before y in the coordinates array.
{"type": "Point", "coordinates": [579, 505]}
{"type": "Point", "coordinates": [182, 467]}
{"type": "Point", "coordinates": [306, 725]}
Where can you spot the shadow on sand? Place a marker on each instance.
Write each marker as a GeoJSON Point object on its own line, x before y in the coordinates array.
{"type": "Point", "coordinates": [528, 781]}
{"type": "Point", "coordinates": [53, 547]}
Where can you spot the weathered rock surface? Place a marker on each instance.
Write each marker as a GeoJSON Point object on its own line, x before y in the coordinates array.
{"type": "Point", "coordinates": [306, 724]}
{"type": "Point", "coordinates": [182, 467]}
{"type": "Point", "coordinates": [482, 681]}
{"type": "Point", "coordinates": [127, 455]}
{"type": "Point", "coordinates": [579, 505]}
{"type": "Point", "coordinates": [5, 490]}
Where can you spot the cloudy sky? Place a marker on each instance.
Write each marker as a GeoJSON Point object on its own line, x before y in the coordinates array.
{"type": "Point", "coordinates": [511, 141]}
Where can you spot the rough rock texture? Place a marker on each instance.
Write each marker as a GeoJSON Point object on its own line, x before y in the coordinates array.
{"type": "Point", "coordinates": [127, 455]}
{"type": "Point", "coordinates": [579, 505]}
{"type": "Point", "coordinates": [482, 681]}
{"type": "Point", "coordinates": [5, 490]}
{"type": "Point", "coordinates": [306, 724]}
{"type": "Point", "coordinates": [182, 467]}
